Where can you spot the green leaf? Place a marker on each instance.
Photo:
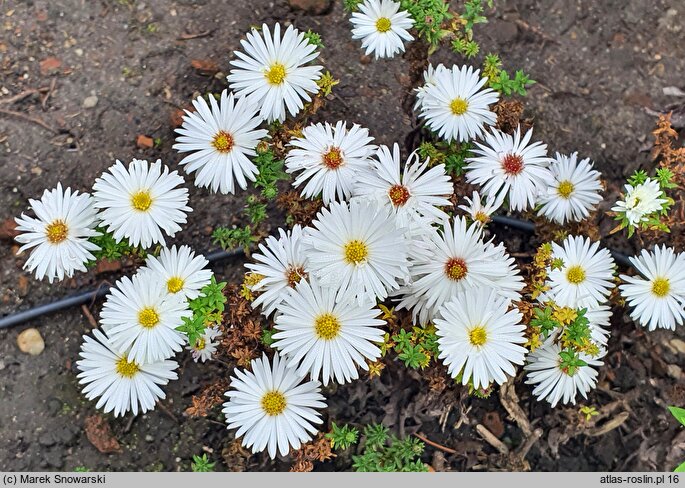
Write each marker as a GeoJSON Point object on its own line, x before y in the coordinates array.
{"type": "Point", "coordinates": [680, 469]}
{"type": "Point", "coordinates": [678, 413]}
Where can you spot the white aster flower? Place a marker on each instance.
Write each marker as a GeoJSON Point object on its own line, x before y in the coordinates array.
{"type": "Point", "coordinates": [599, 321]}
{"type": "Point", "coordinates": [328, 159]}
{"type": "Point", "coordinates": [272, 71]}
{"type": "Point", "coordinates": [322, 333]}
{"type": "Point", "coordinates": [141, 201]}
{"type": "Point", "coordinates": [382, 27]}
{"type": "Point", "coordinates": [453, 261]}
{"type": "Point", "coordinates": [414, 194]}
{"type": "Point", "coordinates": [586, 277]}
{"type": "Point", "coordinates": [282, 263]}
{"type": "Point", "coordinates": [479, 337]}
{"type": "Point", "coordinates": [429, 76]}
{"type": "Point", "coordinates": [574, 191]}
{"type": "Point", "coordinates": [221, 140]}
{"type": "Point", "coordinates": [205, 347]}
{"type": "Point", "coordinates": [640, 201]}
{"type": "Point", "coordinates": [122, 385]}
{"type": "Point", "coordinates": [657, 297]}
{"type": "Point", "coordinates": [140, 317]}
{"type": "Point", "coordinates": [58, 235]}
{"type": "Point", "coordinates": [481, 212]}
{"type": "Point", "coordinates": [358, 247]}
{"type": "Point", "coordinates": [456, 106]}
{"type": "Point", "coordinates": [182, 272]}
{"type": "Point", "coordinates": [510, 165]}
{"type": "Point", "coordinates": [272, 407]}
{"type": "Point", "coordinates": [552, 382]}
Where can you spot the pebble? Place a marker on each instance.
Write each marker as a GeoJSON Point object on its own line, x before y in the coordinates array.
{"type": "Point", "coordinates": [90, 102]}
{"type": "Point", "coordinates": [678, 344]}
{"type": "Point", "coordinates": [30, 342]}
{"type": "Point", "coordinates": [149, 438]}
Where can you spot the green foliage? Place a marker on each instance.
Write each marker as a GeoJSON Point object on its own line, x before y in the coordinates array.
{"type": "Point", "coordinates": [473, 13]}
{"type": "Point", "coordinates": [429, 17]}
{"type": "Point", "coordinates": [387, 453]}
{"type": "Point", "coordinates": [342, 437]}
{"type": "Point", "coordinates": [351, 5]}
{"type": "Point", "coordinates": [208, 310]}
{"type": "Point", "coordinates": [638, 177]}
{"type": "Point", "coordinates": [201, 464]}
{"type": "Point", "coordinates": [465, 47]}
{"type": "Point", "coordinates": [326, 84]}
{"type": "Point", "coordinates": [270, 172]}
{"type": "Point", "coordinates": [81, 469]}
{"type": "Point", "coordinates": [654, 220]}
{"type": "Point", "coordinates": [314, 38]}
{"type": "Point", "coordinates": [416, 347]}
{"type": "Point", "coordinates": [255, 210]}
{"type": "Point", "coordinates": [543, 320]}
{"type": "Point", "coordinates": [112, 250]}
{"type": "Point", "coordinates": [267, 337]}
{"type": "Point", "coordinates": [453, 155]}
{"type": "Point", "coordinates": [501, 81]}
{"type": "Point", "coordinates": [234, 237]}
{"type": "Point", "coordinates": [679, 414]}
{"type": "Point", "coordinates": [570, 361]}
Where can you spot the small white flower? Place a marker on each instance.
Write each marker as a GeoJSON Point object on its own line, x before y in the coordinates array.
{"type": "Point", "coordinates": [657, 297]}
{"type": "Point", "coordinates": [554, 384]}
{"type": "Point", "coordinates": [283, 263]}
{"type": "Point", "coordinates": [358, 247]}
{"type": "Point", "coordinates": [328, 159]}
{"type": "Point", "coordinates": [272, 71]}
{"type": "Point", "coordinates": [272, 407]}
{"type": "Point", "coordinates": [140, 202]}
{"type": "Point", "coordinates": [58, 235]}
{"type": "Point", "coordinates": [205, 347]}
{"type": "Point", "coordinates": [429, 77]}
{"type": "Point", "coordinates": [140, 318]}
{"type": "Point", "coordinates": [510, 165]}
{"type": "Point", "coordinates": [221, 141]}
{"type": "Point", "coordinates": [454, 261]}
{"type": "Point", "coordinates": [640, 201]}
{"type": "Point", "coordinates": [182, 272]}
{"type": "Point", "coordinates": [382, 26]}
{"type": "Point", "coordinates": [586, 278]}
{"type": "Point", "coordinates": [574, 191]}
{"type": "Point", "coordinates": [456, 106]}
{"type": "Point", "coordinates": [414, 194]}
{"type": "Point", "coordinates": [122, 385]}
{"type": "Point", "coordinates": [480, 213]}
{"type": "Point", "coordinates": [322, 333]}
{"type": "Point", "coordinates": [479, 337]}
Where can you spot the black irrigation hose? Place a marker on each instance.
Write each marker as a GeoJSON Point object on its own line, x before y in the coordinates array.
{"type": "Point", "coordinates": [213, 257]}
{"type": "Point", "coordinates": [86, 296]}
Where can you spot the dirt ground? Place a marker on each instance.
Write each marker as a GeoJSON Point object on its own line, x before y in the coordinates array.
{"type": "Point", "coordinates": [601, 68]}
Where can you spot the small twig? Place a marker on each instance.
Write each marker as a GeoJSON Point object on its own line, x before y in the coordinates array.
{"type": "Point", "coordinates": [535, 30]}
{"type": "Point", "coordinates": [608, 426]}
{"type": "Point", "coordinates": [28, 118]}
{"type": "Point", "coordinates": [47, 96]}
{"type": "Point", "coordinates": [435, 444]}
{"type": "Point", "coordinates": [91, 320]}
{"type": "Point", "coordinates": [185, 37]}
{"type": "Point", "coordinates": [167, 411]}
{"type": "Point", "coordinates": [510, 402]}
{"type": "Point", "coordinates": [530, 441]}
{"type": "Point", "coordinates": [130, 423]}
{"type": "Point", "coordinates": [215, 422]}
{"type": "Point", "coordinates": [492, 439]}
{"type": "Point", "coordinates": [20, 96]}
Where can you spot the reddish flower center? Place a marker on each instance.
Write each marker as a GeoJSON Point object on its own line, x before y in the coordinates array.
{"type": "Point", "coordinates": [456, 269]}
{"type": "Point", "coordinates": [512, 164]}
{"type": "Point", "coordinates": [333, 158]}
{"type": "Point", "coordinates": [398, 195]}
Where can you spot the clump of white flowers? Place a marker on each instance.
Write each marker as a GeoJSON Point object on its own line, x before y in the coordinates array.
{"type": "Point", "coordinates": [388, 235]}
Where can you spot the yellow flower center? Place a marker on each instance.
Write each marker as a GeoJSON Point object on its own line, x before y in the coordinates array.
{"type": "Point", "coordinates": [327, 326]}
{"type": "Point", "coordinates": [356, 252]}
{"type": "Point", "coordinates": [127, 369]}
{"type": "Point", "coordinates": [565, 189]}
{"type": "Point", "coordinates": [294, 275]}
{"type": "Point", "coordinates": [273, 403]}
{"type": "Point", "coordinates": [478, 336]}
{"type": "Point", "coordinates": [398, 195]}
{"type": "Point", "coordinates": [223, 142]}
{"type": "Point", "coordinates": [661, 287]}
{"type": "Point", "coordinates": [56, 232]}
{"type": "Point", "coordinates": [275, 74]}
{"type": "Point", "coordinates": [174, 284]}
{"type": "Point", "coordinates": [148, 317]}
{"type": "Point", "coordinates": [141, 200]}
{"type": "Point", "coordinates": [333, 158]}
{"type": "Point", "coordinates": [200, 344]}
{"type": "Point", "coordinates": [456, 269]}
{"type": "Point", "coordinates": [481, 217]}
{"type": "Point", "coordinates": [383, 24]}
{"type": "Point", "coordinates": [459, 106]}
{"type": "Point", "coordinates": [575, 274]}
